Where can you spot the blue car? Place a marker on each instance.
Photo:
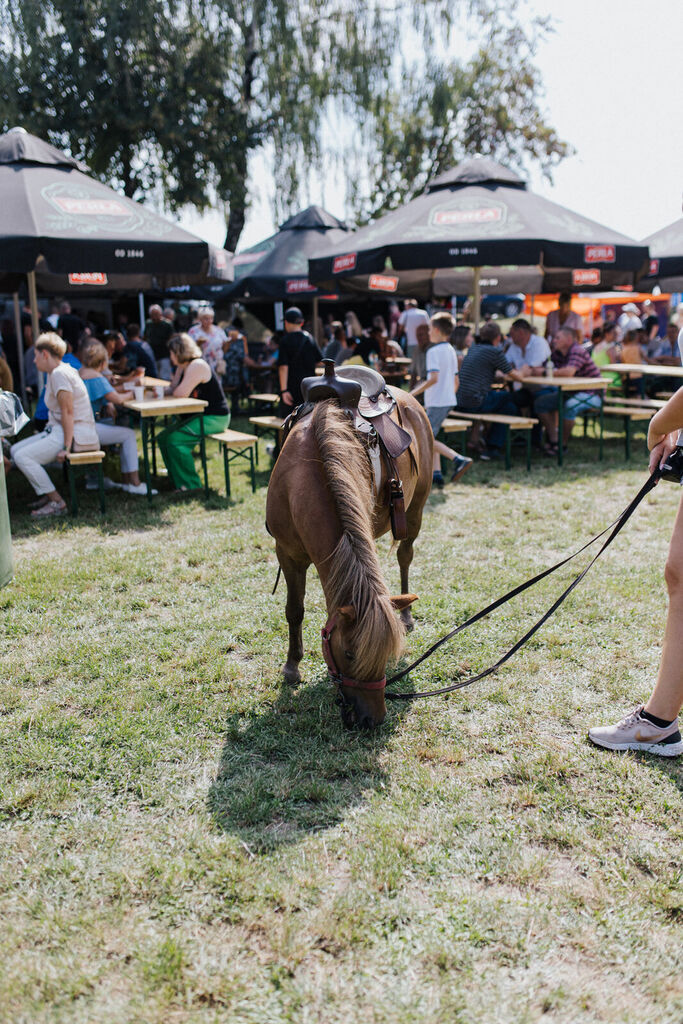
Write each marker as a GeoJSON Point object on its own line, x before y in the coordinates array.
{"type": "Point", "coordinates": [497, 305]}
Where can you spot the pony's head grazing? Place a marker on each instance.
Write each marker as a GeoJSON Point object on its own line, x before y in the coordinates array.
{"type": "Point", "coordinates": [367, 633]}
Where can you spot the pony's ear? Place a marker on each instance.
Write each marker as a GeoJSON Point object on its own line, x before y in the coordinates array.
{"type": "Point", "coordinates": [347, 613]}
{"type": "Point", "coordinates": [403, 601]}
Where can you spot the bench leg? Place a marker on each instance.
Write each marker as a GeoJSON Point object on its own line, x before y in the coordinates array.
{"type": "Point", "coordinates": [72, 489]}
{"type": "Point", "coordinates": [627, 438]}
{"type": "Point", "coordinates": [100, 485]}
{"type": "Point", "coordinates": [145, 456]}
{"type": "Point", "coordinates": [252, 470]}
{"type": "Point", "coordinates": [560, 427]}
{"type": "Point", "coordinates": [153, 442]}
{"type": "Point", "coordinates": [508, 448]}
{"type": "Point", "coordinates": [202, 452]}
{"type": "Point", "coordinates": [226, 467]}
{"type": "Point", "coordinates": [528, 451]}
{"type": "Point", "coordinates": [602, 430]}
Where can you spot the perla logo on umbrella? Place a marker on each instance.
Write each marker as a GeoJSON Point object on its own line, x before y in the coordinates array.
{"type": "Point", "coordinates": [89, 211]}
{"type": "Point", "coordinates": [468, 212]}
{"type": "Point", "coordinates": [599, 254]}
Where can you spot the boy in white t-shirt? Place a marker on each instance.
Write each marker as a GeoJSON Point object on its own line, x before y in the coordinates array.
{"type": "Point", "coordinates": [439, 390]}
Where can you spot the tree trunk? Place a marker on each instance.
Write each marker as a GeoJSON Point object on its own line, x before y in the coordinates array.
{"type": "Point", "coordinates": [238, 213]}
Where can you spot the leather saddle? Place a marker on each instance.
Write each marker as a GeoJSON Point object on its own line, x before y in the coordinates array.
{"type": "Point", "coordinates": [362, 392]}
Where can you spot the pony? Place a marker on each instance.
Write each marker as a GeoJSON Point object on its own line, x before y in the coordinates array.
{"type": "Point", "coordinates": [323, 508]}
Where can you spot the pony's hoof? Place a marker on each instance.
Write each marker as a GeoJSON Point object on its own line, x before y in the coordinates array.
{"type": "Point", "coordinates": [291, 676]}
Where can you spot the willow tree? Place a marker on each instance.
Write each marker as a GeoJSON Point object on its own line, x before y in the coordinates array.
{"type": "Point", "coordinates": [174, 97]}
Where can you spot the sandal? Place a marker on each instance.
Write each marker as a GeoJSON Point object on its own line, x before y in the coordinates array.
{"type": "Point", "coordinates": [550, 449]}
{"type": "Point", "coordinates": [39, 502]}
{"type": "Point", "coordinates": [52, 508]}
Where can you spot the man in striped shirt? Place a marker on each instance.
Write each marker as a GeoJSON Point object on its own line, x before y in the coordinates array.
{"type": "Point", "coordinates": [569, 360]}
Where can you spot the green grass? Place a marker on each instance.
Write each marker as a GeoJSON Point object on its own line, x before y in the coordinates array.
{"type": "Point", "coordinates": [183, 839]}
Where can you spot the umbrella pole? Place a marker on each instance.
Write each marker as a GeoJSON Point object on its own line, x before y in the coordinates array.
{"type": "Point", "coordinates": [476, 298]}
{"type": "Point", "coordinates": [141, 309]}
{"type": "Point", "coordinates": [35, 321]}
{"type": "Point", "coordinates": [315, 320]}
{"type": "Point", "coordinates": [33, 302]}
{"type": "Point", "coordinates": [20, 346]}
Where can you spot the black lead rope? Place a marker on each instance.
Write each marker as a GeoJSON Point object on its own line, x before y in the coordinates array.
{"type": "Point", "coordinates": [614, 527]}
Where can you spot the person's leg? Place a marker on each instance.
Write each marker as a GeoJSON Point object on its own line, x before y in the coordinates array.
{"type": "Point", "coordinates": [654, 727]}
{"type": "Point", "coordinates": [583, 401]}
{"type": "Point", "coordinates": [667, 697]}
{"type": "Point", "coordinates": [545, 408]}
{"type": "Point", "coordinates": [30, 455]}
{"type": "Point", "coordinates": [108, 434]}
{"type": "Point", "coordinates": [500, 402]}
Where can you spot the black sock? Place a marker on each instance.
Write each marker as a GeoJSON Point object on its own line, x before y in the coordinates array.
{"type": "Point", "coordinates": [661, 723]}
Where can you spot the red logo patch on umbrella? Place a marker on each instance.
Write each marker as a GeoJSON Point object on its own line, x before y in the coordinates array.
{"type": "Point", "coordinates": [585, 277]}
{"type": "Point", "coordinates": [654, 266]}
{"type": "Point", "coordinates": [298, 285]}
{"type": "Point", "coordinates": [382, 283]}
{"type": "Point", "coordinates": [341, 263]}
{"type": "Point", "coordinates": [88, 279]}
{"type": "Point", "coordinates": [599, 253]}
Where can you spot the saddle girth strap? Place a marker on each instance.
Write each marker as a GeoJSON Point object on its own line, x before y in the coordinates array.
{"type": "Point", "coordinates": [395, 500]}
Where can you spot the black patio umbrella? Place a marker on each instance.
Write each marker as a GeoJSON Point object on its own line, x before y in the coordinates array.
{"type": "Point", "coordinates": [277, 268]}
{"type": "Point", "coordinates": [75, 232]}
{"type": "Point", "coordinates": [478, 227]}
{"type": "Point", "coordinates": [666, 259]}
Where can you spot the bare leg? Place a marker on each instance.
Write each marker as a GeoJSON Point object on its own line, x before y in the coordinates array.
{"type": "Point", "coordinates": [667, 697]}
{"type": "Point", "coordinates": [131, 478]}
{"type": "Point", "coordinates": [567, 428]}
{"type": "Point", "coordinates": [549, 421]}
{"type": "Point", "coordinates": [295, 576]}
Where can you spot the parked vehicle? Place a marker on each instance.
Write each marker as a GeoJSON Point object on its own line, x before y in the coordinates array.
{"type": "Point", "coordinates": [497, 305]}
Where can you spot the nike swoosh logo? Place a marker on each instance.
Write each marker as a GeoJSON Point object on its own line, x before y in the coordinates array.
{"type": "Point", "coordinates": [644, 739]}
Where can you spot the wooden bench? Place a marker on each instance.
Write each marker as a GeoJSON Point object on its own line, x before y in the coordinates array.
{"type": "Point", "coordinates": [264, 398]}
{"type": "Point", "coordinates": [525, 423]}
{"type": "Point", "coordinates": [269, 425]}
{"type": "Point", "coordinates": [629, 415]}
{"type": "Point", "coordinates": [638, 403]}
{"type": "Point", "coordinates": [235, 445]}
{"type": "Point", "coordinates": [74, 459]}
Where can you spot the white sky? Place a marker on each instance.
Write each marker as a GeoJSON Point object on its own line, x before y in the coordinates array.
{"type": "Point", "coordinates": [613, 72]}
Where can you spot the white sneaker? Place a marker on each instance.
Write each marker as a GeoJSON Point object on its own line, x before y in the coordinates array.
{"type": "Point", "coordinates": [637, 733]}
{"type": "Point", "coordinates": [109, 485]}
{"type": "Point", "coordinates": [137, 489]}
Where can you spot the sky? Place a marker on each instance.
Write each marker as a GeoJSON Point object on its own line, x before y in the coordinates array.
{"type": "Point", "coordinates": [613, 72]}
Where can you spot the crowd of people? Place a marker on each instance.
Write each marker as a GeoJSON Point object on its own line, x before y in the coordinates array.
{"type": "Point", "coordinates": [450, 367]}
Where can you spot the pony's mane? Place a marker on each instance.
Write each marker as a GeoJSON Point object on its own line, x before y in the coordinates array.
{"type": "Point", "coordinates": [356, 576]}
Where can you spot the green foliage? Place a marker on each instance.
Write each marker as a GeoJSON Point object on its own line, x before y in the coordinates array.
{"type": "Point", "coordinates": [173, 97]}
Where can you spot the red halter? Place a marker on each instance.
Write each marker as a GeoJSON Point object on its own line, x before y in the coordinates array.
{"type": "Point", "coordinates": [335, 675]}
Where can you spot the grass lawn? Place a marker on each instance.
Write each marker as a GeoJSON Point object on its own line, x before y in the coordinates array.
{"type": "Point", "coordinates": [183, 839]}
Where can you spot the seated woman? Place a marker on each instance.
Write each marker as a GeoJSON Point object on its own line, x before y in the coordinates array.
{"type": "Point", "coordinates": [101, 393]}
{"type": "Point", "coordinates": [193, 377]}
{"type": "Point", "coordinates": [71, 426]}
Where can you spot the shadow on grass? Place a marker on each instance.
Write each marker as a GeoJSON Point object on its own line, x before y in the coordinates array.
{"type": "Point", "coordinates": [292, 769]}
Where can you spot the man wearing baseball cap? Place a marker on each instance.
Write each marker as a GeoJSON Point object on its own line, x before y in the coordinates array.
{"type": "Point", "coordinates": [297, 358]}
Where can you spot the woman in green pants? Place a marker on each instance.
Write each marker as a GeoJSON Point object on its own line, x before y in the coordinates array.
{"type": "Point", "coordinates": [194, 378]}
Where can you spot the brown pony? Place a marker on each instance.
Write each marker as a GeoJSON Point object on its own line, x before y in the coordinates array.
{"type": "Point", "coordinates": [322, 508]}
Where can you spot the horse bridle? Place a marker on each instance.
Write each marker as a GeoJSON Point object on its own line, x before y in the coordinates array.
{"type": "Point", "coordinates": [337, 677]}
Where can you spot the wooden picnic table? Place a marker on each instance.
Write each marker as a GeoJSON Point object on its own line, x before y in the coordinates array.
{"type": "Point", "coordinates": [149, 409]}
{"type": "Point", "coordinates": [649, 369]}
{"type": "Point", "coordinates": [569, 384]}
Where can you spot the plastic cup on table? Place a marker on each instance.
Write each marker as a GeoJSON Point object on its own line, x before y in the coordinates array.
{"type": "Point", "coordinates": [139, 393]}
{"type": "Point", "coordinates": [159, 391]}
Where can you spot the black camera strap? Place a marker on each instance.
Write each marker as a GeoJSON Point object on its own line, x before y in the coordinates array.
{"type": "Point", "coordinates": [613, 529]}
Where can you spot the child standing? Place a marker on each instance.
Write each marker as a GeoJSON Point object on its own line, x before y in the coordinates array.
{"type": "Point", "coordinates": [439, 390]}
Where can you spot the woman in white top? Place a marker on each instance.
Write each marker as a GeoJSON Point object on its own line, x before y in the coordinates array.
{"type": "Point", "coordinates": [70, 426]}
